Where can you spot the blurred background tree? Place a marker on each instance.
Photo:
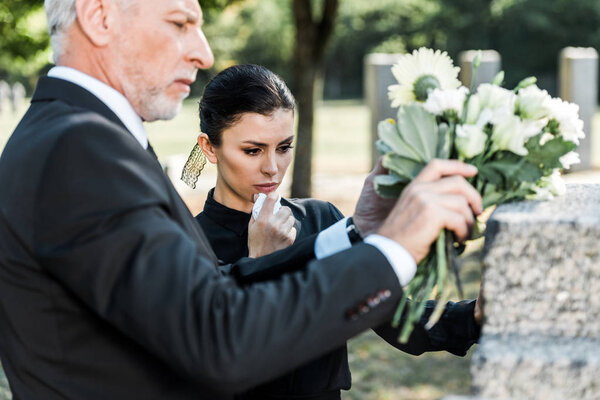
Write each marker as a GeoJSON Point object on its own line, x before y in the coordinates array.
{"type": "Point", "coordinates": [24, 40]}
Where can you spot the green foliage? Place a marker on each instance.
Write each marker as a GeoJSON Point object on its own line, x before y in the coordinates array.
{"type": "Point", "coordinates": [23, 39]}
{"type": "Point", "coordinates": [364, 27]}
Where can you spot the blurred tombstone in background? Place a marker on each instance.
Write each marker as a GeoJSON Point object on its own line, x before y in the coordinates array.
{"type": "Point", "coordinates": [578, 83]}
{"type": "Point", "coordinates": [17, 97]}
{"type": "Point", "coordinates": [489, 67]}
{"type": "Point", "coordinates": [378, 76]}
{"type": "Point", "coordinates": [4, 94]}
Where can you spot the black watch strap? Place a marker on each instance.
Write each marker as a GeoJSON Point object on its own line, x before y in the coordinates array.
{"type": "Point", "coordinates": [352, 231]}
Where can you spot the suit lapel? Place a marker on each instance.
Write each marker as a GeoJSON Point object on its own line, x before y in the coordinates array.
{"type": "Point", "coordinates": [49, 89]}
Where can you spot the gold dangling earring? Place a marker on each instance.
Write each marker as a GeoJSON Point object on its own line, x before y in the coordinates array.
{"type": "Point", "coordinates": [193, 167]}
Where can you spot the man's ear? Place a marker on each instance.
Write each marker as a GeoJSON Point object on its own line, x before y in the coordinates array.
{"type": "Point", "coordinates": [207, 148]}
{"type": "Point", "coordinates": [97, 19]}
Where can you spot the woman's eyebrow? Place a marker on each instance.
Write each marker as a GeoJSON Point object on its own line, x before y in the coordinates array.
{"type": "Point", "coordinates": [287, 140]}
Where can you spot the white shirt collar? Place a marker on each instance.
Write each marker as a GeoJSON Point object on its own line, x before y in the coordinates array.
{"type": "Point", "coordinates": [114, 100]}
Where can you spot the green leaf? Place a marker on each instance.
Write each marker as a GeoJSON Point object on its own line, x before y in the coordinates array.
{"type": "Point", "coordinates": [508, 173]}
{"type": "Point", "coordinates": [402, 166]}
{"type": "Point", "coordinates": [389, 186]}
{"type": "Point", "coordinates": [382, 147]}
{"type": "Point", "coordinates": [443, 148]}
{"type": "Point", "coordinates": [388, 133]}
{"type": "Point", "coordinates": [548, 156]}
{"type": "Point", "coordinates": [418, 129]}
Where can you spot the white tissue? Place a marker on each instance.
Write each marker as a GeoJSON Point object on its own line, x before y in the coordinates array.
{"type": "Point", "coordinates": [259, 203]}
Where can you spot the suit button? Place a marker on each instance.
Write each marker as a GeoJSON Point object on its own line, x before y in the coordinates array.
{"type": "Point", "coordinates": [384, 294]}
{"type": "Point", "coordinates": [351, 315]}
{"type": "Point", "coordinates": [373, 301]}
{"type": "Point", "coordinates": [363, 309]}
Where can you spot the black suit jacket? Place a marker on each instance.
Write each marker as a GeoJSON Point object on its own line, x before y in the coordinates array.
{"type": "Point", "coordinates": [109, 289]}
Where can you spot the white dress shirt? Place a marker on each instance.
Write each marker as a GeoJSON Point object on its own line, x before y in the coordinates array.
{"type": "Point", "coordinates": [330, 241]}
{"type": "Point", "coordinates": [113, 99]}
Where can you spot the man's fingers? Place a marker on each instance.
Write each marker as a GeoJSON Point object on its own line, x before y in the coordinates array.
{"type": "Point", "coordinates": [455, 222]}
{"type": "Point", "coordinates": [438, 168]}
{"type": "Point", "coordinates": [458, 205]}
{"type": "Point", "coordinates": [457, 185]}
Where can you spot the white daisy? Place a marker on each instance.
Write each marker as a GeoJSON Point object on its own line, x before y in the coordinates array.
{"type": "Point", "coordinates": [421, 72]}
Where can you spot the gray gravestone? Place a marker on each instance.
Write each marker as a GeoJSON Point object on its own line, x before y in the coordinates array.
{"type": "Point", "coordinates": [541, 335]}
{"type": "Point", "coordinates": [578, 83]}
{"type": "Point", "coordinates": [17, 96]}
{"type": "Point", "coordinates": [378, 76]}
{"type": "Point", "coordinates": [489, 67]}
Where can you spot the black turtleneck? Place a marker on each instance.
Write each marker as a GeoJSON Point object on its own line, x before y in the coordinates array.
{"type": "Point", "coordinates": [227, 231]}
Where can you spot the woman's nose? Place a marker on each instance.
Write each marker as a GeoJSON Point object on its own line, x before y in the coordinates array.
{"type": "Point", "coordinates": [269, 166]}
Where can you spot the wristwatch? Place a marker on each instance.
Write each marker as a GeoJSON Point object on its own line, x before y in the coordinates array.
{"type": "Point", "coordinates": [352, 231]}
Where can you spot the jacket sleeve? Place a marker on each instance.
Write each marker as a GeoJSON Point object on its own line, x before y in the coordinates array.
{"type": "Point", "coordinates": [105, 231]}
{"type": "Point", "coordinates": [455, 332]}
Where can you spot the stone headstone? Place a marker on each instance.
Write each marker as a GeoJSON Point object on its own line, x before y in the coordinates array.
{"type": "Point", "coordinates": [489, 67]}
{"type": "Point", "coordinates": [541, 334]}
{"type": "Point", "coordinates": [4, 94]}
{"type": "Point", "coordinates": [578, 83]}
{"type": "Point", "coordinates": [17, 96]}
{"type": "Point", "coordinates": [377, 77]}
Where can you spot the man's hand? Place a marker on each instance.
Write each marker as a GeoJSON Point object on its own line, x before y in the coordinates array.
{"type": "Point", "coordinates": [372, 209]}
{"type": "Point", "coordinates": [439, 198]}
{"type": "Point", "coordinates": [270, 232]}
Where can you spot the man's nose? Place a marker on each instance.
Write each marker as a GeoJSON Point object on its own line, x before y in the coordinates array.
{"type": "Point", "coordinates": [200, 53]}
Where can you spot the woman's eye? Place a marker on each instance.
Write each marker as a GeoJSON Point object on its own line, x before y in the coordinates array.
{"type": "Point", "coordinates": [286, 148]}
{"type": "Point", "coordinates": [251, 152]}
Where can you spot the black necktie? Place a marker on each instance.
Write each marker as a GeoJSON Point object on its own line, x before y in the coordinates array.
{"type": "Point", "coordinates": [151, 150]}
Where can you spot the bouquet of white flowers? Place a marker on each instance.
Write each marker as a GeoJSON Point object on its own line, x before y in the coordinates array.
{"type": "Point", "coordinates": [518, 139]}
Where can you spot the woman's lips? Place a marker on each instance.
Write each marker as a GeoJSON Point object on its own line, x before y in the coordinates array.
{"type": "Point", "coordinates": [267, 187]}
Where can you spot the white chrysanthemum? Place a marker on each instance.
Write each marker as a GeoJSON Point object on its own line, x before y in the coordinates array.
{"type": "Point", "coordinates": [548, 187]}
{"type": "Point", "coordinates": [545, 138]}
{"type": "Point", "coordinates": [510, 134]}
{"type": "Point", "coordinates": [532, 103]}
{"type": "Point", "coordinates": [470, 140]}
{"type": "Point", "coordinates": [421, 72]}
{"type": "Point", "coordinates": [440, 101]}
{"type": "Point", "coordinates": [569, 159]}
{"type": "Point", "coordinates": [500, 101]}
{"type": "Point", "coordinates": [566, 114]}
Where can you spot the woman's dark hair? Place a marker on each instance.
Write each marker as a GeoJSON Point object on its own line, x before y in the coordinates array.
{"type": "Point", "coordinates": [238, 90]}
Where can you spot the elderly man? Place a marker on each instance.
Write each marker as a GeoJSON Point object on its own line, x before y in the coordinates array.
{"type": "Point", "coordinates": [108, 287]}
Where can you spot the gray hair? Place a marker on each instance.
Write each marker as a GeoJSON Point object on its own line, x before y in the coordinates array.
{"type": "Point", "coordinates": [60, 14]}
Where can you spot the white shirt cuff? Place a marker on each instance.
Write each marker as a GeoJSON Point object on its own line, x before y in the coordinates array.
{"type": "Point", "coordinates": [332, 240]}
{"type": "Point", "coordinates": [402, 262]}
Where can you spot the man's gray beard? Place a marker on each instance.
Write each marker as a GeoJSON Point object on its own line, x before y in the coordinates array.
{"type": "Point", "coordinates": [153, 104]}
{"type": "Point", "coordinates": [161, 107]}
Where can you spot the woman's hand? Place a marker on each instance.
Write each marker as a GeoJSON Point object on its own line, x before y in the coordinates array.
{"type": "Point", "coordinates": [270, 232]}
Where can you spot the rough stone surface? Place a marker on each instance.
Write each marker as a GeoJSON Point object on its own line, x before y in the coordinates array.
{"type": "Point", "coordinates": [542, 272]}
{"type": "Point", "coordinates": [537, 367]}
{"type": "Point", "coordinates": [541, 334]}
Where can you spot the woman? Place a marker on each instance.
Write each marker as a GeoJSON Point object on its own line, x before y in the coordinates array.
{"type": "Point", "coordinates": [247, 124]}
